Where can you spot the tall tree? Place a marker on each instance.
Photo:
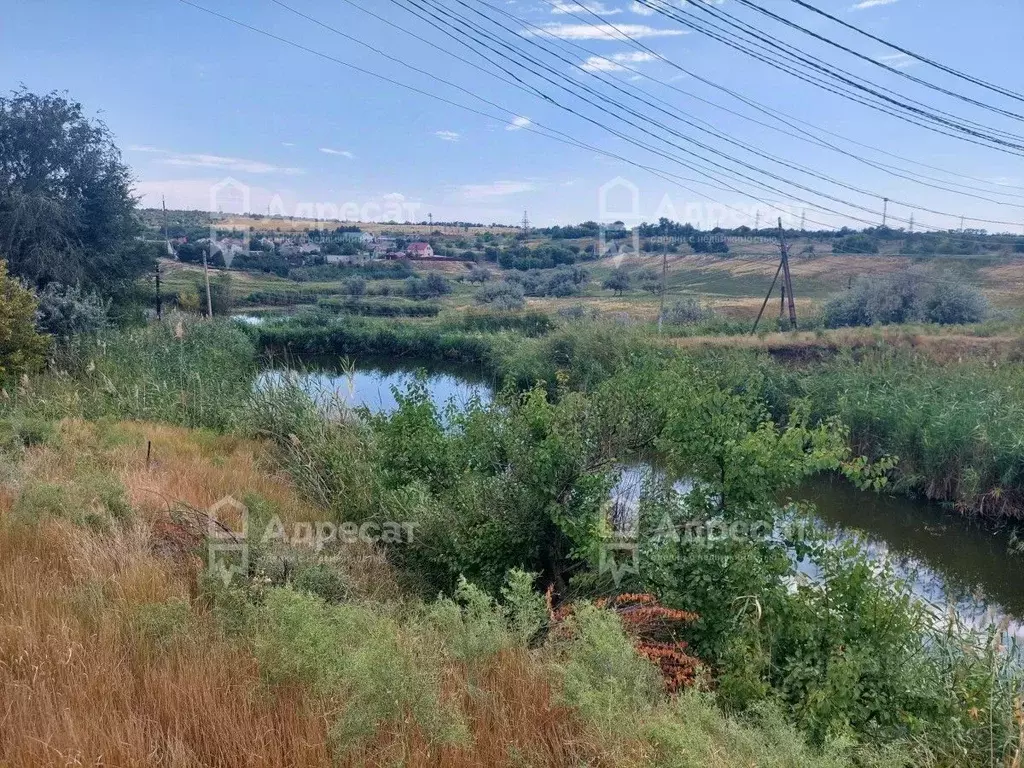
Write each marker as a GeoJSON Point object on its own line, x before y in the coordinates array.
{"type": "Point", "coordinates": [67, 212]}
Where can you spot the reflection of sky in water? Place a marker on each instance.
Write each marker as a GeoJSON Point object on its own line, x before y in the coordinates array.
{"type": "Point", "coordinates": [919, 550]}
{"type": "Point", "coordinates": [946, 559]}
{"type": "Point", "coordinates": [372, 388]}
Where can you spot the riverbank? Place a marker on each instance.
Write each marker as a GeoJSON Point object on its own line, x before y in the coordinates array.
{"type": "Point", "coordinates": [862, 674]}
{"type": "Point", "coordinates": [949, 410]}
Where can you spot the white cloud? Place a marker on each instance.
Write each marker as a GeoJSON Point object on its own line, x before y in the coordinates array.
{"type": "Point", "coordinates": [864, 4]}
{"type": "Point", "coordinates": [496, 189]}
{"type": "Point", "coordinates": [237, 164]}
{"type": "Point", "coordinates": [615, 62]}
{"type": "Point", "coordinates": [448, 135]}
{"type": "Point", "coordinates": [640, 8]}
{"type": "Point", "coordinates": [569, 6]}
{"type": "Point", "coordinates": [897, 60]}
{"type": "Point", "coordinates": [287, 144]}
{"type": "Point", "coordinates": [340, 152]}
{"type": "Point", "coordinates": [519, 123]}
{"type": "Point", "coordinates": [201, 160]}
{"type": "Point", "coordinates": [604, 31]}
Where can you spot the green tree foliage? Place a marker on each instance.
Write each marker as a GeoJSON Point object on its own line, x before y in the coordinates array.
{"type": "Point", "coordinates": [504, 295]}
{"type": "Point", "coordinates": [856, 243]}
{"type": "Point", "coordinates": [618, 281]}
{"type": "Point", "coordinates": [65, 312]}
{"type": "Point", "coordinates": [904, 298]}
{"type": "Point", "coordinates": [22, 348]}
{"type": "Point", "coordinates": [67, 213]}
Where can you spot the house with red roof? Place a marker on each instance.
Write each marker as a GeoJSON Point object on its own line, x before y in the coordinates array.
{"type": "Point", "coordinates": [420, 251]}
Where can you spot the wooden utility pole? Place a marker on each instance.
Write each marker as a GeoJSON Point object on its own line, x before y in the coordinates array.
{"type": "Point", "coordinates": [170, 253]}
{"type": "Point", "coordinates": [664, 272]}
{"type": "Point", "coordinates": [159, 300]}
{"type": "Point", "coordinates": [787, 284]}
{"type": "Point", "coordinates": [209, 300]}
{"type": "Point", "coordinates": [766, 298]}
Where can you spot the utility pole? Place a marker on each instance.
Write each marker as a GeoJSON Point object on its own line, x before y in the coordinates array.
{"type": "Point", "coordinates": [757, 220]}
{"type": "Point", "coordinates": [961, 224]}
{"type": "Point", "coordinates": [159, 300]}
{"type": "Point", "coordinates": [911, 230]}
{"type": "Point", "coordinates": [167, 243]}
{"type": "Point", "coordinates": [209, 300]}
{"type": "Point", "coordinates": [803, 221]}
{"type": "Point", "coordinates": [430, 218]}
{"type": "Point", "coordinates": [787, 285]}
{"type": "Point", "coordinates": [885, 211]}
{"type": "Point", "coordinates": [664, 273]}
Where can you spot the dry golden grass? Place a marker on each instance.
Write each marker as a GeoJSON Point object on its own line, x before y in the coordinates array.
{"type": "Point", "coordinates": [107, 657]}
{"type": "Point", "coordinates": [943, 347]}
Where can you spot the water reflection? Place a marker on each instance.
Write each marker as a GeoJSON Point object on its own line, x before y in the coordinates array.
{"type": "Point", "coordinates": [371, 384]}
{"type": "Point", "coordinates": [949, 559]}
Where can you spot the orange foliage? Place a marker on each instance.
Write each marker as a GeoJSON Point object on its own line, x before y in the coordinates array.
{"type": "Point", "coordinates": [653, 628]}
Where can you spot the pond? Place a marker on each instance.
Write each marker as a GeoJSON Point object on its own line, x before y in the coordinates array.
{"type": "Point", "coordinates": [950, 559]}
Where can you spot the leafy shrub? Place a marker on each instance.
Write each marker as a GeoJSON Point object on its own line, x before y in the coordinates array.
{"type": "Point", "coordinates": [604, 677]}
{"type": "Point", "coordinates": [359, 659]}
{"type": "Point", "coordinates": [65, 311]}
{"type": "Point", "coordinates": [504, 296]}
{"type": "Point", "coordinates": [688, 311]}
{"type": "Point", "coordinates": [22, 348]}
{"type": "Point", "coordinates": [904, 298]}
{"type": "Point", "coordinates": [478, 275]}
{"type": "Point", "coordinates": [856, 243]}
{"type": "Point", "coordinates": [618, 281]}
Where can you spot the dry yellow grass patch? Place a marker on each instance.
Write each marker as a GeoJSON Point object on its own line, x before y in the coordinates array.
{"type": "Point", "coordinates": [186, 468]}
{"type": "Point", "coordinates": [108, 657]}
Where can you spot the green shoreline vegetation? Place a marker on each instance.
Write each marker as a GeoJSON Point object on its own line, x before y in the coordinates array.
{"type": "Point", "coordinates": [515, 490]}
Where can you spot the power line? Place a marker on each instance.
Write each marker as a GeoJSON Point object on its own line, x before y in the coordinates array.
{"type": "Point", "coordinates": [774, 114]}
{"type": "Point", "coordinates": [949, 70]}
{"type": "Point", "coordinates": [876, 62]}
{"type": "Point", "coordinates": [450, 18]}
{"type": "Point", "coordinates": [776, 53]}
{"type": "Point", "coordinates": [435, 96]}
{"type": "Point", "coordinates": [725, 137]}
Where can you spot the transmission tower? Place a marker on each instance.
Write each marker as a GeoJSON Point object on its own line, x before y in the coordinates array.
{"type": "Point", "coordinates": [911, 229]}
{"type": "Point", "coordinates": [803, 221]}
{"type": "Point", "coordinates": [525, 222]}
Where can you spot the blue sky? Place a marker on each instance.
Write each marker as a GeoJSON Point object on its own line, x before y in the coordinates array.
{"type": "Point", "coordinates": [193, 100]}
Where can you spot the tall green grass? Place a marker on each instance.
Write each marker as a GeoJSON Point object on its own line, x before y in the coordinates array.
{"type": "Point", "coordinates": [191, 373]}
{"type": "Point", "coordinates": [958, 429]}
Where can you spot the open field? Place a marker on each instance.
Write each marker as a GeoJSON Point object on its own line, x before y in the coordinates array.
{"type": "Point", "coordinates": [293, 224]}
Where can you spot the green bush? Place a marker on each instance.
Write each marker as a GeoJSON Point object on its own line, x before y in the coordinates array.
{"type": "Point", "coordinates": [905, 298]}
{"type": "Point", "coordinates": [22, 349]}
{"type": "Point", "coordinates": [371, 670]}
